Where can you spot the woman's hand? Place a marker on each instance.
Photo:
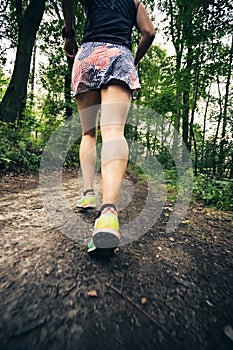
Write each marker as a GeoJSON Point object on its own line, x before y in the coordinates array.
{"type": "Point", "coordinates": [70, 47]}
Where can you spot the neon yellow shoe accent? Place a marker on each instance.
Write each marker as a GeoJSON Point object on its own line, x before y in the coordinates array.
{"type": "Point", "coordinates": [107, 220]}
{"type": "Point", "coordinates": [87, 201]}
{"type": "Point", "coordinates": [106, 230]}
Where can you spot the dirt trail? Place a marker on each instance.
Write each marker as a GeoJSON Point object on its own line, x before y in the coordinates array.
{"type": "Point", "coordinates": [164, 291]}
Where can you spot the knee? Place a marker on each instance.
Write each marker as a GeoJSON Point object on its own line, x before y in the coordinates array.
{"type": "Point", "coordinates": [88, 141]}
{"type": "Point", "coordinates": [111, 132]}
{"type": "Point", "coordinates": [92, 134]}
{"type": "Point", "coordinates": [114, 149]}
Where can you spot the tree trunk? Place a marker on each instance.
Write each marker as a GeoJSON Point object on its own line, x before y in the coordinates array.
{"type": "Point", "coordinates": [33, 72]}
{"type": "Point", "coordinates": [68, 99]}
{"type": "Point", "coordinates": [231, 167]}
{"type": "Point", "coordinates": [224, 117]}
{"type": "Point", "coordinates": [13, 102]}
{"type": "Point", "coordinates": [218, 127]}
{"type": "Point", "coordinates": [204, 128]}
{"type": "Point", "coordinates": [186, 102]}
{"type": "Point", "coordinates": [185, 124]}
{"type": "Point", "coordinates": [177, 115]}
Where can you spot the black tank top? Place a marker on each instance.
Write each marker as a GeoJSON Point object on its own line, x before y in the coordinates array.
{"type": "Point", "coordinates": [109, 21]}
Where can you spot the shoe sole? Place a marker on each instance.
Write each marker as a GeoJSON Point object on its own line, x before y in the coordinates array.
{"type": "Point", "coordinates": [101, 252]}
{"type": "Point", "coordinates": [88, 206]}
{"type": "Point", "coordinates": [106, 238]}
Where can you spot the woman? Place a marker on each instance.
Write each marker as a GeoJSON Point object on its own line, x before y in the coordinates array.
{"type": "Point", "coordinates": [104, 73]}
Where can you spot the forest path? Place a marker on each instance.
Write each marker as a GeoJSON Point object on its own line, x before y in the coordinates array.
{"type": "Point", "coordinates": [163, 291]}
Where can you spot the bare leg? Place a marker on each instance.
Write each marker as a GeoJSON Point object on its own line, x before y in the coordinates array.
{"type": "Point", "coordinates": [114, 108]}
{"type": "Point", "coordinates": [88, 106]}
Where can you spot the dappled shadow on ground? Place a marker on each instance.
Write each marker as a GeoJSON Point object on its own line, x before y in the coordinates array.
{"type": "Point", "coordinates": [163, 291]}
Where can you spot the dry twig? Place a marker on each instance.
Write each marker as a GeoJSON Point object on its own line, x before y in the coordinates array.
{"type": "Point", "coordinates": [139, 308]}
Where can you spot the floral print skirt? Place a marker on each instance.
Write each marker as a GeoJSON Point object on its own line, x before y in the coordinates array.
{"type": "Point", "coordinates": [97, 63]}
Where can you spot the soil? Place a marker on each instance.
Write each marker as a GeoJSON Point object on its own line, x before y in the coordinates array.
{"type": "Point", "coordinates": [163, 291]}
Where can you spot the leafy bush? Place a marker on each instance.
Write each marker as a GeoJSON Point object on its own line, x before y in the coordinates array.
{"type": "Point", "coordinates": [19, 152]}
{"type": "Point", "coordinates": [216, 193]}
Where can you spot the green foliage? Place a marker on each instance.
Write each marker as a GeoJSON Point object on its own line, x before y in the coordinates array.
{"type": "Point", "coordinates": [3, 84]}
{"type": "Point", "coordinates": [10, 15]}
{"type": "Point", "coordinates": [172, 87]}
{"type": "Point", "coordinates": [215, 193]}
{"type": "Point", "coordinates": [19, 151]}
{"type": "Point", "coordinates": [72, 157]}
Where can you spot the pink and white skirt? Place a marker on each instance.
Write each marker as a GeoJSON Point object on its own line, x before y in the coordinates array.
{"type": "Point", "coordinates": [96, 64]}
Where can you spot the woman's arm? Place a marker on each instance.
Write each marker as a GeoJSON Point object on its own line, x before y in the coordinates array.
{"type": "Point", "coordinates": [68, 13]}
{"type": "Point", "coordinates": [147, 30]}
{"type": "Point", "coordinates": [70, 45]}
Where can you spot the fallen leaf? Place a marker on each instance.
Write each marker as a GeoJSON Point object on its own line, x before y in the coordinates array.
{"type": "Point", "coordinates": [228, 331]}
{"type": "Point", "coordinates": [143, 301]}
{"type": "Point", "coordinates": [92, 293]}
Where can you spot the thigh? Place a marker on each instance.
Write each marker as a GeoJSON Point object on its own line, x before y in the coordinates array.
{"type": "Point", "coordinates": [88, 106]}
{"type": "Point", "coordinates": [115, 103]}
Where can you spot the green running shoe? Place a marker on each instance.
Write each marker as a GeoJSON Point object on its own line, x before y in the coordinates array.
{"type": "Point", "coordinates": [106, 230]}
{"type": "Point", "coordinates": [91, 247]}
{"type": "Point", "coordinates": [99, 252]}
{"type": "Point", "coordinates": [86, 201]}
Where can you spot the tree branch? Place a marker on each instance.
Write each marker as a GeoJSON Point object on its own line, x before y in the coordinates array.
{"type": "Point", "coordinates": [139, 308]}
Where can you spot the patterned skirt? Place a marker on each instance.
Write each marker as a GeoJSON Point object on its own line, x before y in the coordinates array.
{"type": "Point", "coordinates": [97, 63]}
